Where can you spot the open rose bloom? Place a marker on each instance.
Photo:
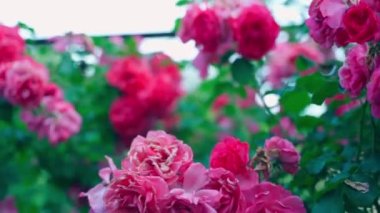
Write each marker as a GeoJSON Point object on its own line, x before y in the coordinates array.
{"type": "Point", "coordinates": [159, 175]}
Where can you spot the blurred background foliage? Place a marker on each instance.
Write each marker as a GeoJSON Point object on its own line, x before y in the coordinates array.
{"type": "Point", "coordinates": [339, 153]}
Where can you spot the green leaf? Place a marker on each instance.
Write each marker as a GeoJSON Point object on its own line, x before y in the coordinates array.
{"type": "Point", "coordinates": [303, 63]}
{"type": "Point", "coordinates": [362, 198]}
{"type": "Point", "coordinates": [242, 71]}
{"type": "Point", "coordinates": [310, 83]}
{"type": "Point", "coordinates": [6, 111]}
{"type": "Point", "coordinates": [183, 2]}
{"type": "Point", "coordinates": [371, 164]}
{"type": "Point", "coordinates": [328, 89]}
{"type": "Point", "coordinates": [295, 101]}
{"type": "Point", "coordinates": [330, 203]}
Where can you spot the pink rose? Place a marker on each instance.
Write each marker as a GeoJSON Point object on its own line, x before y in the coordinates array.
{"type": "Point", "coordinates": [12, 46]}
{"type": "Point", "coordinates": [231, 154]}
{"type": "Point", "coordinates": [159, 154]}
{"type": "Point", "coordinates": [4, 67]}
{"type": "Point", "coordinates": [25, 81]}
{"type": "Point", "coordinates": [58, 120]}
{"type": "Point", "coordinates": [360, 22]}
{"type": "Point", "coordinates": [192, 196]}
{"type": "Point", "coordinates": [163, 97]}
{"type": "Point", "coordinates": [285, 152]}
{"type": "Point", "coordinates": [163, 64]}
{"type": "Point", "coordinates": [220, 102]}
{"type": "Point", "coordinates": [128, 116]}
{"type": "Point", "coordinates": [134, 193]}
{"type": "Point", "coordinates": [325, 22]}
{"type": "Point", "coordinates": [205, 27]}
{"type": "Point", "coordinates": [232, 200]}
{"type": "Point", "coordinates": [373, 94]}
{"type": "Point", "coordinates": [255, 31]}
{"type": "Point", "coordinates": [354, 75]}
{"type": "Point", "coordinates": [72, 42]}
{"type": "Point", "coordinates": [131, 75]}
{"type": "Point", "coordinates": [268, 197]}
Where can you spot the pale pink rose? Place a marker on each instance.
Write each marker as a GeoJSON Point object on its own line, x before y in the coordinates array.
{"type": "Point", "coordinates": [284, 151]}
{"type": "Point", "coordinates": [268, 197]}
{"type": "Point", "coordinates": [25, 80]}
{"type": "Point", "coordinates": [159, 154]}
{"type": "Point", "coordinates": [282, 60]}
{"type": "Point", "coordinates": [373, 94]}
{"type": "Point", "coordinates": [57, 121]}
{"type": "Point", "coordinates": [134, 193]}
{"type": "Point", "coordinates": [192, 196]}
{"type": "Point", "coordinates": [354, 75]}
{"type": "Point", "coordinates": [232, 200]}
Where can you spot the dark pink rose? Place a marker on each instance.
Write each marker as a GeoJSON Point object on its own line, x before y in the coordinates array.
{"type": "Point", "coordinates": [232, 200]}
{"type": "Point", "coordinates": [284, 151]}
{"type": "Point", "coordinates": [220, 102]}
{"type": "Point", "coordinates": [192, 196]}
{"type": "Point", "coordinates": [360, 22]}
{"type": "Point", "coordinates": [231, 154]}
{"type": "Point", "coordinates": [131, 75]}
{"type": "Point", "coordinates": [255, 31]}
{"type": "Point", "coordinates": [159, 154]}
{"type": "Point", "coordinates": [12, 46]}
{"type": "Point", "coordinates": [268, 197]}
{"type": "Point", "coordinates": [133, 193]}
{"type": "Point", "coordinates": [205, 27]}
{"type": "Point", "coordinates": [354, 75]}
{"type": "Point", "coordinates": [128, 116]}
{"type": "Point", "coordinates": [373, 94]}
{"type": "Point", "coordinates": [4, 67]}
{"type": "Point", "coordinates": [57, 120]}
{"type": "Point", "coordinates": [25, 81]}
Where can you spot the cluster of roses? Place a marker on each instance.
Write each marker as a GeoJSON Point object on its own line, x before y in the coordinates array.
{"type": "Point", "coordinates": [342, 22]}
{"type": "Point", "coordinates": [25, 83]}
{"type": "Point", "coordinates": [245, 26]}
{"type": "Point", "coordinates": [150, 87]}
{"type": "Point", "coordinates": [159, 175]}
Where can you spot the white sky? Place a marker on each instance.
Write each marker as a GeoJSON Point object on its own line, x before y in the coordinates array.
{"type": "Point", "coordinates": [107, 17]}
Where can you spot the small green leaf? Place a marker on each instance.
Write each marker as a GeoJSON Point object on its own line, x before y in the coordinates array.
{"type": "Point", "coordinates": [316, 166]}
{"type": "Point", "coordinates": [242, 71]}
{"type": "Point", "coordinates": [295, 101]}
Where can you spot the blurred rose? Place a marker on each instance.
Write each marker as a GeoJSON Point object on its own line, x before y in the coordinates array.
{"type": "Point", "coordinates": [255, 31]}
{"type": "Point", "coordinates": [354, 75]}
{"type": "Point", "coordinates": [58, 120]}
{"type": "Point", "coordinates": [8, 205]}
{"type": "Point", "coordinates": [128, 116]}
{"type": "Point", "coordinates": [12, 46]}
{"type": "Point", "coordinates": [131, 75]}
{"type": "Point", "coordinates": [25, 81]}
{"type": "Point", "coordinates": [360, 22]}
{"type": "Point", "coordinates": [373, 94]}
